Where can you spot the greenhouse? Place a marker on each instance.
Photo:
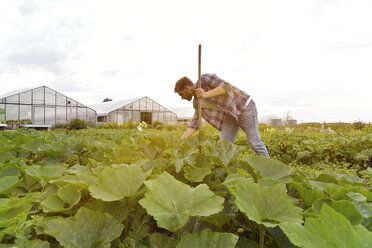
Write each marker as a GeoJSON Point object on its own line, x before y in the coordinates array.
{"type": "Point", "coordinates": [43, 106]}
{"type": "Point", "coordinates": [134, 110]}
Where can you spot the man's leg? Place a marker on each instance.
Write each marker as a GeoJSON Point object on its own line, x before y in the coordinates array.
{"type": "Point", "coordinates": [249, 123]}
{"type": "Point", "coordinates": [229, 129]}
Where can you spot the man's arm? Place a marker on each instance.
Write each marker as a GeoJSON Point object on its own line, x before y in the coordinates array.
{"type": "Point", "coordinates": [188, 133]}
{"type": "Point", "coordinates": [200, 93]}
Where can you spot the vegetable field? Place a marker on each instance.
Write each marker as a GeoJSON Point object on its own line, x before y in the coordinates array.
{"type": "Point", "coordinates": [135, 189]}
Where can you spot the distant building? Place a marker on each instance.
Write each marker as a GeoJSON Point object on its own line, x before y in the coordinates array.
{"type": "Point", "coordinates": [292, 122]}
{"type": "Point", "coordinates": [133, 110]}
{"type": "Point", "coordinates": [43, 106]}
{"type": "Point", "coordinates": [275, 122]}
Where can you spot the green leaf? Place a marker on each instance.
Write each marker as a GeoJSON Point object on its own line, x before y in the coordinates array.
{"type": "Point", "coordinates": [208, 239]}
{"type": "Point", "coordinates": [65, 198]}
{"type": "Point", "coordinates": [269, 181]}
{"type": "Point", "coordinates": [356, 196]}
{"type": "Point", "coordinates": [13, 209]}
{"type": "Point", "coordinates": [308, 195]}
{"type": "Point", "coordinates": [158, 240]}
{"type": "Point", "coordinates": [218, 220]}
{"type": "Point", "coordinates": [53, 203]}
{"type": "Point", "coordinates": [9, 171]}
{"type": "Point", "coordinates": [343, 192]}
{"type": "Point", "coordinates": [223, 152]}
{"type": "Point", "coordinates": [329, 230]}
{"type": "Point", "coordinates": [86, 229]}
{"type": "Point", "coordinates": [7, 183]}
{"type": "Point", "coordinates": [45, 173]}
{"type": "Point", "coordinates": [172, 202]}
{"type": "Point", "coordinates": [125, 155]}
{"type": "Point", "coordinates": [117, 209]}
{"type": "Point", "coordinates": [35, 243]}
{"type": "Point", "coordinates": [232, 178]}
{"type": "Point", "coordinates": [139, 229]}
{"type": "Point", "coordinates": [267, 205]}
{"type": "Point", "coordinates": [347, 208]}
{"type": "Point", "coordinates": [196, 174]}
{"type": "Point", "coordinates": [53, 149]}
{"type": "Point", "coordinates": [155, 163]}
{"type": "Point", "coordinates": [5, 156]}
{"type": "Point", "coordinates": [32, 146]}
{"type": "Point", "coordinates": [116, 183]}
{"type": "Point", "coordinates": [271, 168]}
{"type": "Point", "coordinates": [70, 194]}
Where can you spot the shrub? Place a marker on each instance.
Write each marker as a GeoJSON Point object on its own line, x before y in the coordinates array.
{"type": "Point", "coordinates": [77, 124]}
{"type": "Point", "coordinates": [60, 126]}
{"type": "Point", "coordinates": [158, 125]}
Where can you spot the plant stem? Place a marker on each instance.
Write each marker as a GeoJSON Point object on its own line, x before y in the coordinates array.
{"type": "Point", "coordinates": [262, 235]}
{"type": "Point", "coordinates": [126, 227]}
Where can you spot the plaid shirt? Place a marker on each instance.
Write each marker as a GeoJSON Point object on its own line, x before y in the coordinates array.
{"type": "Point", "coordinates": [232, 103]}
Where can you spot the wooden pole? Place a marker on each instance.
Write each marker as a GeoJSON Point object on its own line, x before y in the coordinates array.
{"type": "Point", "coordinates": [199, 100]}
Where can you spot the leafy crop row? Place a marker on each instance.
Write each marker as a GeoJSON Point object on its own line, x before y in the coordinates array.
{"type": "Point", "coordinates": [125, 188]}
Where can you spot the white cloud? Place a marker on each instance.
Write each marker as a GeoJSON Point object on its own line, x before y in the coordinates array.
{"type": "Point", "coordinates": [311, 58]}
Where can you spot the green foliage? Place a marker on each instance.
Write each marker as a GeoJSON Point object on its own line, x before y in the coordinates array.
{"type": "Point", "coordinates": [256, 202]}
{"type": "Point", "coordinates": [149, 188]}
{"type": "Point", "coordinates": [77, 124]}
{"type": "Point", "coordinates": [60, 126]}
{"type": "Point", "coordinates": [116, 183]}
{"type": "Point", "coordinates": [329, 230]}
{"type": "Point", "coordinates": [171, 209]}
{"type": "Point", "coordinates": [86, 229]}
{"type": "Point", "coordinates": [208, 239]}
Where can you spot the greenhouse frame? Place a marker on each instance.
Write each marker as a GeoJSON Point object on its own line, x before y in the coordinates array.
{"type": "Point", "coordinates": [133, 110]}
{"type": "Point", "coordinates": [43, 106]}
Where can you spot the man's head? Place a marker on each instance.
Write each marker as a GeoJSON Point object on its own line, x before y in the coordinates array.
{"type": "Point", "coordinates": [185, 88]}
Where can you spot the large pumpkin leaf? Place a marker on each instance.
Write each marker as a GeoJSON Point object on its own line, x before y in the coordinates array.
{"type": "Point", "coordinates": [14, 212]}
{"type": "Point", "coordinates": [208, 239]}
{"type": "Point", "coordinates": [45, 173]}
{"type": "Point", "coordinates": [7, 183]}
{"type": "Point", "coordinates": [271, 168]}
{"type": "Point", "coordinates": [222, 152]}
{"type": "Point", "coordinates": [347, 208]}
{"type": "Point", "coordinates": [86, 229]}
{"type": "Point", "coordinates": [65, 198]}
{"type": "Point", "coordinates": [196, 174]}
{"type": "Point", "coordinates": [329, 230]}
{"type": "Point", "coordinates": [118, 209]}
{"type": "Point", "coordinates": [53, 149]}
{"type": "Point", "coordinates": [218, 220]}
{"type": "Point", "coordinates": [116, 183]}
{"type": "Point", "coordinates": [35, 243]}
{"type": "Point", "coordinates": [14, 209]}
{"type": "Point", "coordinates": [172, 202]}
{"type": "Point", "coordinates": [309, 194]}
{"type": "Point", "coordinates": [267, 205]}
{"type": "Point", "coordinates": [5, 156]}
{"type": "Point", "coordinates": [9, 171]}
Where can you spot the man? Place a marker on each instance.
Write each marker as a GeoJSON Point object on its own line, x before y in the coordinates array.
{"type": "Point", "coordinates": [225, 107]}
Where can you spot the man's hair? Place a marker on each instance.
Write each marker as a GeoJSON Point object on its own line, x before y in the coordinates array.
{"type": "Point", "coordinates": [181, 83]}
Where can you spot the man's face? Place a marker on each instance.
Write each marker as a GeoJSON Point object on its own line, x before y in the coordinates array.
{"type": "Point", "coordinates": [187, 93]}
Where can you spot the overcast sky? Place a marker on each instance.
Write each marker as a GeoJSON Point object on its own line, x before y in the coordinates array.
{"type": "Point", "coordinates": [311, 58]}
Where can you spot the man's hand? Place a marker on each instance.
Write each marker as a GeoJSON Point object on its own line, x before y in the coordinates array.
{"type": "Point", "coordinates": [188, 133]}
{"type": "Point", "coordinates": [200, 93]}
